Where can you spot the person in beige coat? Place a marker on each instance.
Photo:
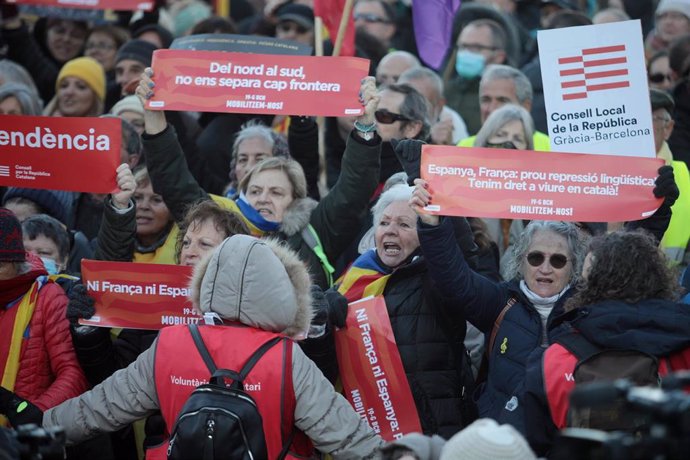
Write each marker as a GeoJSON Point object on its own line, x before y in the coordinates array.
{"type": "Point", "coordinates": [260, 284]}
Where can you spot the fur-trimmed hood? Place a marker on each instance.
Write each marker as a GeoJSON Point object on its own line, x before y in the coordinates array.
{"type": "Point", "coordinates": [260, 283]}
{"type": "Point", "coordinates": [297, 216]}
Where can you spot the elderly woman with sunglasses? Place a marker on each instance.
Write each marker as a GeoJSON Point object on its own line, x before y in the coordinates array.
{"type": "Point", "coordinates": [516, 315]}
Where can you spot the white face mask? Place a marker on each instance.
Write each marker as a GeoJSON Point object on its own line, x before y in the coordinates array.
{"type": "Point", "coordinates": [51, 266]}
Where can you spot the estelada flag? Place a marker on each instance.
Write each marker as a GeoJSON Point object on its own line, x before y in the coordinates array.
{"type": "Point", "coordinates": [331, 12]}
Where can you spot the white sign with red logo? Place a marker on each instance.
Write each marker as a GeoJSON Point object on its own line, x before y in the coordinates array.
{"type": "Point", "coordinates": [595, 89]}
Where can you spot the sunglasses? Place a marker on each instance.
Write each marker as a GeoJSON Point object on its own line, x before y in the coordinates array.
{"type": "Point", "coordinates": [536, 259]}
{"type": "Point", "coordinates": [659, 77]}
{"type": "Point", "coordinates": [387, 118]}
{"type": "Point", "coordinates": [288, 26]}
{"type": "Point", "coordinates": [370, 17]}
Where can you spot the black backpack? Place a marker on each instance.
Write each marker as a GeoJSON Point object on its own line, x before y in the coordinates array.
{"type": "Point", "coordinates": [220, 421]}
{"type": "Point", "coordinates": [607, 365]}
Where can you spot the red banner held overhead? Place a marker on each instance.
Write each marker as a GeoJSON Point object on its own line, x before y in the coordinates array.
{"type": "Point", "coordinates": [54, 152]}
{"type": "Point", "coordinates": [121, 5]}
{"type": "Point", "coordinates": [215, 81]}
{"type": "Point", "coordinates": [138, 296]}
{"type": "Point", "coordinates": [521, 184]}
{"type": "Point", "coordinates": [372, 372]}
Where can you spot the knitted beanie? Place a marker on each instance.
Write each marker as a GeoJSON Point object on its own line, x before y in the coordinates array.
{"type": "Point", "coordinates": [129, 103]}
{"type": "Point", "coordinates": [136, 50]}
{"type": "Point", "coordinates": [680, 6]}
{"type": "Point", "coordinates": [55, 203]}
{"type": "Point", "coordinates": [487, 440]}
{"type": "Point", "coordinates": [11, 239]}
{"type": "Point", "coordinates": [86, 69]}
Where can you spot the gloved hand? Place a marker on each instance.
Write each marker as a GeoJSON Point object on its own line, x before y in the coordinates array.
{"type": "Point", "coordinates": [17, 410]}
{"type": "Point", "coordinates": [320, 307]}
{"type": "Point", "coordinates": [665, 186]}
{"type": "Point", "coordinates": [337, 307]}
{"type": "Point", "coordinates": [81, 304]}
{"type": "Point", "coordinates": [409, 154]}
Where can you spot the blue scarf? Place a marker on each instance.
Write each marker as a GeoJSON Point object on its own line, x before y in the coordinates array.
{"type": "Point", "coordinates": [254, 217]}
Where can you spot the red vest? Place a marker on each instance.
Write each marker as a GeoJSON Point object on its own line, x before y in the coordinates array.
{"type": "Point", "coordinates": [179, 369]}
{"type": "Point", "coordinates": [559, 365]}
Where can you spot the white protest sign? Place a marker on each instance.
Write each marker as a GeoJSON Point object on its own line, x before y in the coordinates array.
{"type": "Point", "coordinates": [595, 89]}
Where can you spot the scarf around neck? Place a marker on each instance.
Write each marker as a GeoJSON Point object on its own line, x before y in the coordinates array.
{"type": "Point", "coordinates": [254, 217]}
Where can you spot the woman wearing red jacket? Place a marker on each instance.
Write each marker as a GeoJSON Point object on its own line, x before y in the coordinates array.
{"type": "Point", "coordinates": [37, 360]}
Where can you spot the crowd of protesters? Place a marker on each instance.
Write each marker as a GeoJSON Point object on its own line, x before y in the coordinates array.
{"type": "Point", "coordinates": [283, 233]}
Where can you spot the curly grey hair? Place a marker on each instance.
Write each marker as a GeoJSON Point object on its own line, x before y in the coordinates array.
{"type": "Point", "coordinates": [577, 245]}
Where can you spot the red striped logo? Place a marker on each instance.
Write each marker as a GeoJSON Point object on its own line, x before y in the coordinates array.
{"type": "Point", "coordinates": [595, 69]}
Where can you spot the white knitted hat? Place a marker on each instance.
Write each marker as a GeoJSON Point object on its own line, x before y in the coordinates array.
{"type": "Point", "coordinates": [487, 440]}
{"type": "Point", "coordinates": [681, 6]}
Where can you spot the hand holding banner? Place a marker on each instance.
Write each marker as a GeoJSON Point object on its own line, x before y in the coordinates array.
{"type": "Point", "coordinates": [138, 296]}
{"type": "Point", "coordinates": [53, 152]}
{"type": "Point", "coordinates": [521, 184]}
{"type": "Point", "coordinates": [372, 373]}
{"type": "Point", "coordinates": [215, 81]}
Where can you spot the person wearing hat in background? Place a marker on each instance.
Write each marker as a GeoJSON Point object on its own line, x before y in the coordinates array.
{"type": "Point", "coordinates": [80, 90]}
{"type": "Point", "coordinates": [548, 8]}
{"type": "Point", "coordinates": [129, 108]}
{"type": "Point", "coordinates": [36, 353]}
{"type": "Point", "coordinates": [27, 202]}
{"type": "Point", "coordinates": [154, 33]}
{"type": "Point", "coordinates": [671, 21]}
{"type": "Point", "coordinates": [295, 22]}
{"type": "Point", "coordinates": [675, 240]}
{"type": "Point", "coordinates": [131, 60]}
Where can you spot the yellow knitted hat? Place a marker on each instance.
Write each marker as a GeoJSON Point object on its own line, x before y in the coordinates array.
{"type": "Point", "coordinates": [87, 69]}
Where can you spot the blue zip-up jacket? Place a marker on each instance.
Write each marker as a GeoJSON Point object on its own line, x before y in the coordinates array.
{"type": "Point", "coordinates": [519, 334]}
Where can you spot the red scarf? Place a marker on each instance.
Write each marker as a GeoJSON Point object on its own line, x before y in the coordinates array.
{"type": "Point", "coordinates": [12, 289]}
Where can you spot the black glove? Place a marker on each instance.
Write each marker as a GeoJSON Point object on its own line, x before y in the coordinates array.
{"type": "Point", "coordinates": [17, 410]}
{"type": "Point", "coordinates": [81, 304]}
{"type": "Point", "coordinates": [409, 154]}
{"type": "Point", "coordinates": [337, 307]}
{"type": "Point", "coordinates": [665, 186]}
{"type": "Point", "coordinates": [320, 307]}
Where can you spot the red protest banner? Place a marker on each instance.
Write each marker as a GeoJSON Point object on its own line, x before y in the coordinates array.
{"type": "Point", "coordinates": [54, 152]}
{"type": "Point", "coordinates": [138, 296]}
{"type": "Point", "coordinates": [215, 81]}
{"type": "Point", "coordinates": [521, 184]}
{"type": "Point", "coordinates": [372, 373]}
{"type": "Point", "coordinates": [121, 5]}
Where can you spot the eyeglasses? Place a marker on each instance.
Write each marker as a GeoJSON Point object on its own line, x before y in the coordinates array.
{"type": "Point", "coordinates": [370, 17]}
{"type": "Point", "coordinates": [387, 118]}
{"type": "Point", "coordinates": [658, 77]}
{"type": "Point", "coordinates": [536, 259]}
{"type": "Point", "coordinates": [99, 46]}
{"type": "Point", "coordinates": [289, 26]}
{"type": "Point", "coordinates": [476, 47]}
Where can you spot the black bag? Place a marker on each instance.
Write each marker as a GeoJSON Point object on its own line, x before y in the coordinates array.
{"type": "Point", "coordinates": [607, 365]}
{"type": "Point", "coordinates": [220, 421]}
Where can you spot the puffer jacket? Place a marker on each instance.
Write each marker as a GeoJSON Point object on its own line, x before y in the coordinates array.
{"type": "Point", "coordinates": [336, 218]}
{"type": "Point", "coordinates": [482, 300]}
{"type": "Point", "coordinates": [429, 333]}
{"type": "Point", "coordinates": [232, 282]}
{"type": "Point", "coordinates": [48, 371]}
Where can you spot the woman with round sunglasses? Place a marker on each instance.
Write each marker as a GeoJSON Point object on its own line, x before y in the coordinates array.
{"type": "Point", "coordinates": [516, 315]}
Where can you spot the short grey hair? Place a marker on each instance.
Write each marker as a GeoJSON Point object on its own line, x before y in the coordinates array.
{"type": "Point", "coordinates": [523, 87]}
{"type": "Point", "coordinates": [427, 75]}
{"type": "Point", "coordinates": [577, 244]}
{"type": "Point", "coordinates": [255, 129]}
{"type": "Point", "coordinates": [11, 72]}
{"type": "Point", "coordinates": [27, 98]}
{"type": "Point", "coordinates": [398, 192]}
{"type": "Point", "coordinates": [499, 118]}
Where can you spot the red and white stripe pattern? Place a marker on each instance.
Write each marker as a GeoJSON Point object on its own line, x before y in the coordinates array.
{"type": "Point", "coordinates": [595, 69]}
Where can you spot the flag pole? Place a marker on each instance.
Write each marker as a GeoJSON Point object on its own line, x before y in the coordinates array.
{"type": "Point", "coordinates": [347, 12]}
{"type": "Point", "coordinates": [320, 121]}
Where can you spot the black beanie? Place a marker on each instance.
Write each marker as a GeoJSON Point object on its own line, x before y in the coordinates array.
{"type": "Point", "coordinates": [11, 239]}
{"type": "Point", "coordinates": [55, 203]}
{"type": "Point", "coordinates": [137, 50]}
{"type": "Point", "coordinates": [165, 36]}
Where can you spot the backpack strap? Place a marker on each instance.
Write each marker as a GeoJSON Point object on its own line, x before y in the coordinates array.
{"type": "Point", "coordinates": [312, 239]}
{"type": "Point", "coordinates": [203, 351]}
{"type": "Point", "coordinates": [256, 356]}
{"type": "Point", "coordinates": [287, 430]}
{"type": "Point", "coordinates": [578, 345]}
